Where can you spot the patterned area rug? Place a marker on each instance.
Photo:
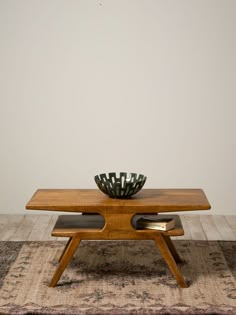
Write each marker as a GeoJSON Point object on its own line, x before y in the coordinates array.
{"type": "Point", "coordinates": [117, 278]}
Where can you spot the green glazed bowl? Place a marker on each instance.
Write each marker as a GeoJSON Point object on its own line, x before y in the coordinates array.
{"type": "Point", "coordinates": [120, 186]}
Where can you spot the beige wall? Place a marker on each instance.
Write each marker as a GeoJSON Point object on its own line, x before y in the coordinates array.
{"type": "Point", "coordinates": [95, 86]}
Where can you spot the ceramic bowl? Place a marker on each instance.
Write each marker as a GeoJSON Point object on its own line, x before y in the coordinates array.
{"type": "Point", "coordinates": [120, 185]}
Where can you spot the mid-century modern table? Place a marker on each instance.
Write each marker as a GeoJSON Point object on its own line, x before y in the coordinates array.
{"type": "Point", "coordinates": [115, 219]}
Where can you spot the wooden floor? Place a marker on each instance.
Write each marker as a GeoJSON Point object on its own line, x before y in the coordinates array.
{"type": "Point", "coordinates": [39, 227]}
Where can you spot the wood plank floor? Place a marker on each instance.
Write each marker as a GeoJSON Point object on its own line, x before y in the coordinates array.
{"type": "Point", "coordinates": [39, 227]}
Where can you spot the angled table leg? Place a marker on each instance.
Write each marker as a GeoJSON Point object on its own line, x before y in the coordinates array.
{"type": "Point", "coordinates": [67, 244]}
{"type": "Point", "coordinates": [169, 259]}
{"type": "Point", "coordinates": [172, 248]}
{"type": "Point", "coordinates": [65, 259]}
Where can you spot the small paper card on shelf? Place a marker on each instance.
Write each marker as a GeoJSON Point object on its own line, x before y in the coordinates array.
{"type": "Point", "coordinates": [155, 223]}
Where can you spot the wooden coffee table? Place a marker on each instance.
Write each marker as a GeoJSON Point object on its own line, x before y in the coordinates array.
{"type": "Point", "coordinates": [115, 219]}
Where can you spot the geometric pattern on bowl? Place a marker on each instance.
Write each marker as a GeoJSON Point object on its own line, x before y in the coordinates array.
{"type": "Point", "coordinates": [122, 185]}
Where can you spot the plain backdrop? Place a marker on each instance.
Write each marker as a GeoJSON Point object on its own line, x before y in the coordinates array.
{"type": "Point", "coordinates": [145, 86]}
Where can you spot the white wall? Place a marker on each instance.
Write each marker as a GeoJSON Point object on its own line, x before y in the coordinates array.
{"type": "Point", "coordinates": [137, 85]}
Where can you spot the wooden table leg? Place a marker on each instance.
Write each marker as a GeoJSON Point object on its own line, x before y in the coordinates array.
{"type": "Point", "coordinates": [65, 259]}
{"type": "Point", "coordinates": [172, 248]}
{"type": "Point", "coordinates": [67, 244]}
{"type": "Point", "coordinates": [169, 259]}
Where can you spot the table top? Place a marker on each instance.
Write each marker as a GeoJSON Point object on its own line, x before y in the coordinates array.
{"type": "Point", "coordinates": [93, 200]}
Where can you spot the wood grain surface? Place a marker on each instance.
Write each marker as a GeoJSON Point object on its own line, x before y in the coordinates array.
{"type": "Point", "coordinates": [93, 200]}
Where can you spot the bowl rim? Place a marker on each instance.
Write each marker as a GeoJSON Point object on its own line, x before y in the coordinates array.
{"type": "Point", "coordinates": [120, 174]}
